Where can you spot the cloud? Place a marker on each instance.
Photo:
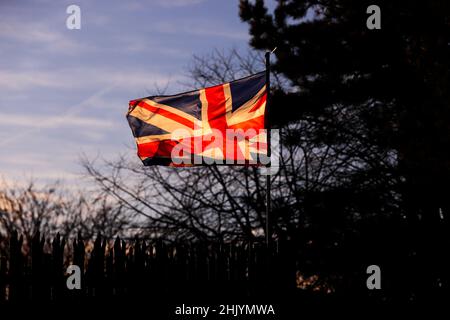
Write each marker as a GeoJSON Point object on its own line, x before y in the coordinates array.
{"type": "Point", "coordinates": [141, 5]}
{"type": "Point", "coordinates": [178, 3]}
{"type": "Point", "coordinates": [71, 78]}
{"type": "Point", "coordinates": [42, 177]}
{"type": "Point", "coordinates": [24, 159]}
{"type": "Point", "coordinates": [39, 37]}
{"type": "Point", "coordinates": [70, 114]}
{"type": "Point", "coordinates": [50, 122]}
{"type": "Point", "coordinates": [21, 80]}
{"type": "Point", "coordinates": [207, 29]}
{"type": "Point", "coordinates": [52, 79]}
{"type": "Point", "coordinates": [134, 44]}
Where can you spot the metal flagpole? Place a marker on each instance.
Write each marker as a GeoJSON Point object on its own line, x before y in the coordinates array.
{"type": "Point", "coordinates": [268, 128]}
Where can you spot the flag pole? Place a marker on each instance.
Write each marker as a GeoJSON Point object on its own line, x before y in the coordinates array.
{"type": "Point", "coordinates": [268, 128]}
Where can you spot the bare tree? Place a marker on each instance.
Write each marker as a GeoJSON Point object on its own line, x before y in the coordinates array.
{"type": "Point", "coordinates": [52, 209]}
{"type": "Point", "coordinates": [222, 203]}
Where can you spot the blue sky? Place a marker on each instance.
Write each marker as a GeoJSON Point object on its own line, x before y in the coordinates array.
{"type": "Point", "coordinates": [64, 92]}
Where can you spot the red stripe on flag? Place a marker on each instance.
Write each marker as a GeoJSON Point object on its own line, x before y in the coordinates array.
{"type": "Point", "coordinates": [216, 107]}
{"type": "Point", "coordinates": [156, 148]}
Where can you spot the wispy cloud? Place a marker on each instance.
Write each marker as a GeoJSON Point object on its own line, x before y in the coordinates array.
{"type": "Point", "coordinates": [177, 3]}
{"type": "Point", "coordinates": [50, 122]}
{"type": "Point", "coordinates": [70, 78]}
{"type": "Point", "coordinates": [39, 36]}
{"type": "Point", "coordinates": [134, 44]}
{"type": "Point", "coordinates": [141, 5]}
{"type": "Point", "coordinates": [195, 28]}
{"type": "Point", "coordinates": [63, 92]}
{"type": "Point", "coordinates": [69, 114]}
{"type": "Point", "coordinates": [25, 79]}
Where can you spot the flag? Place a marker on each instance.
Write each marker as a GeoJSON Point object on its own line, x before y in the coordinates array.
{"type": "Point", "coordinates": [222, 124]}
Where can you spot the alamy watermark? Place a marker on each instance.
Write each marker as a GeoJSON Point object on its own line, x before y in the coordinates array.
{"type": "Point", "coordinates": [374, 280]}
{"type": "Point", "coordinates": [374, 20]}
{"type": "Point", "coordinates": [74, 279]}
{"type": "Point", "coordinates": [73, 21]}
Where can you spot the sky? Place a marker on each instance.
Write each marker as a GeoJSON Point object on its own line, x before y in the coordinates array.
{"type": "Point", "coordinates": [64, 93]}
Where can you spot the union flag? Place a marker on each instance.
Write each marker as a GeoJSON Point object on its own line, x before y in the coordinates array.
{"type": "Point", "coordinates": [222, 124]}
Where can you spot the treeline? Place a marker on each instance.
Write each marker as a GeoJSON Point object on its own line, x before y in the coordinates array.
{"type": "Point", "coordinates": [140, 269]}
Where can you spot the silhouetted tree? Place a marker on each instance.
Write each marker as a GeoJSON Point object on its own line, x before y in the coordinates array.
{"type": "Point", "coordinates": [52, 209]}
{"type": "Point", "coordinates": [394, 81]}
{"type": "Point", "coordinates": [385, 94]}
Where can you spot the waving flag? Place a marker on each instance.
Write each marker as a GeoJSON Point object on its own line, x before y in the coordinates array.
{"type": "Point", "coordinates": [223, 124]}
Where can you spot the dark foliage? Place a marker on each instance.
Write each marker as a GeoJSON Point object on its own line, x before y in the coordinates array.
{"type": "Point", "coordinates": [383, 94]}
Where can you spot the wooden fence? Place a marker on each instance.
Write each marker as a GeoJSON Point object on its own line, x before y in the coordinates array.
{"type": "Point", "coordinates": [141, 270]}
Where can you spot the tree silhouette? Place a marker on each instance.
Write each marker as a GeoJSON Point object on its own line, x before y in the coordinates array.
{"type": "Point", "coordinates": [52, 209]}
{"type": "Point", "coordinates": [385, 94]}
